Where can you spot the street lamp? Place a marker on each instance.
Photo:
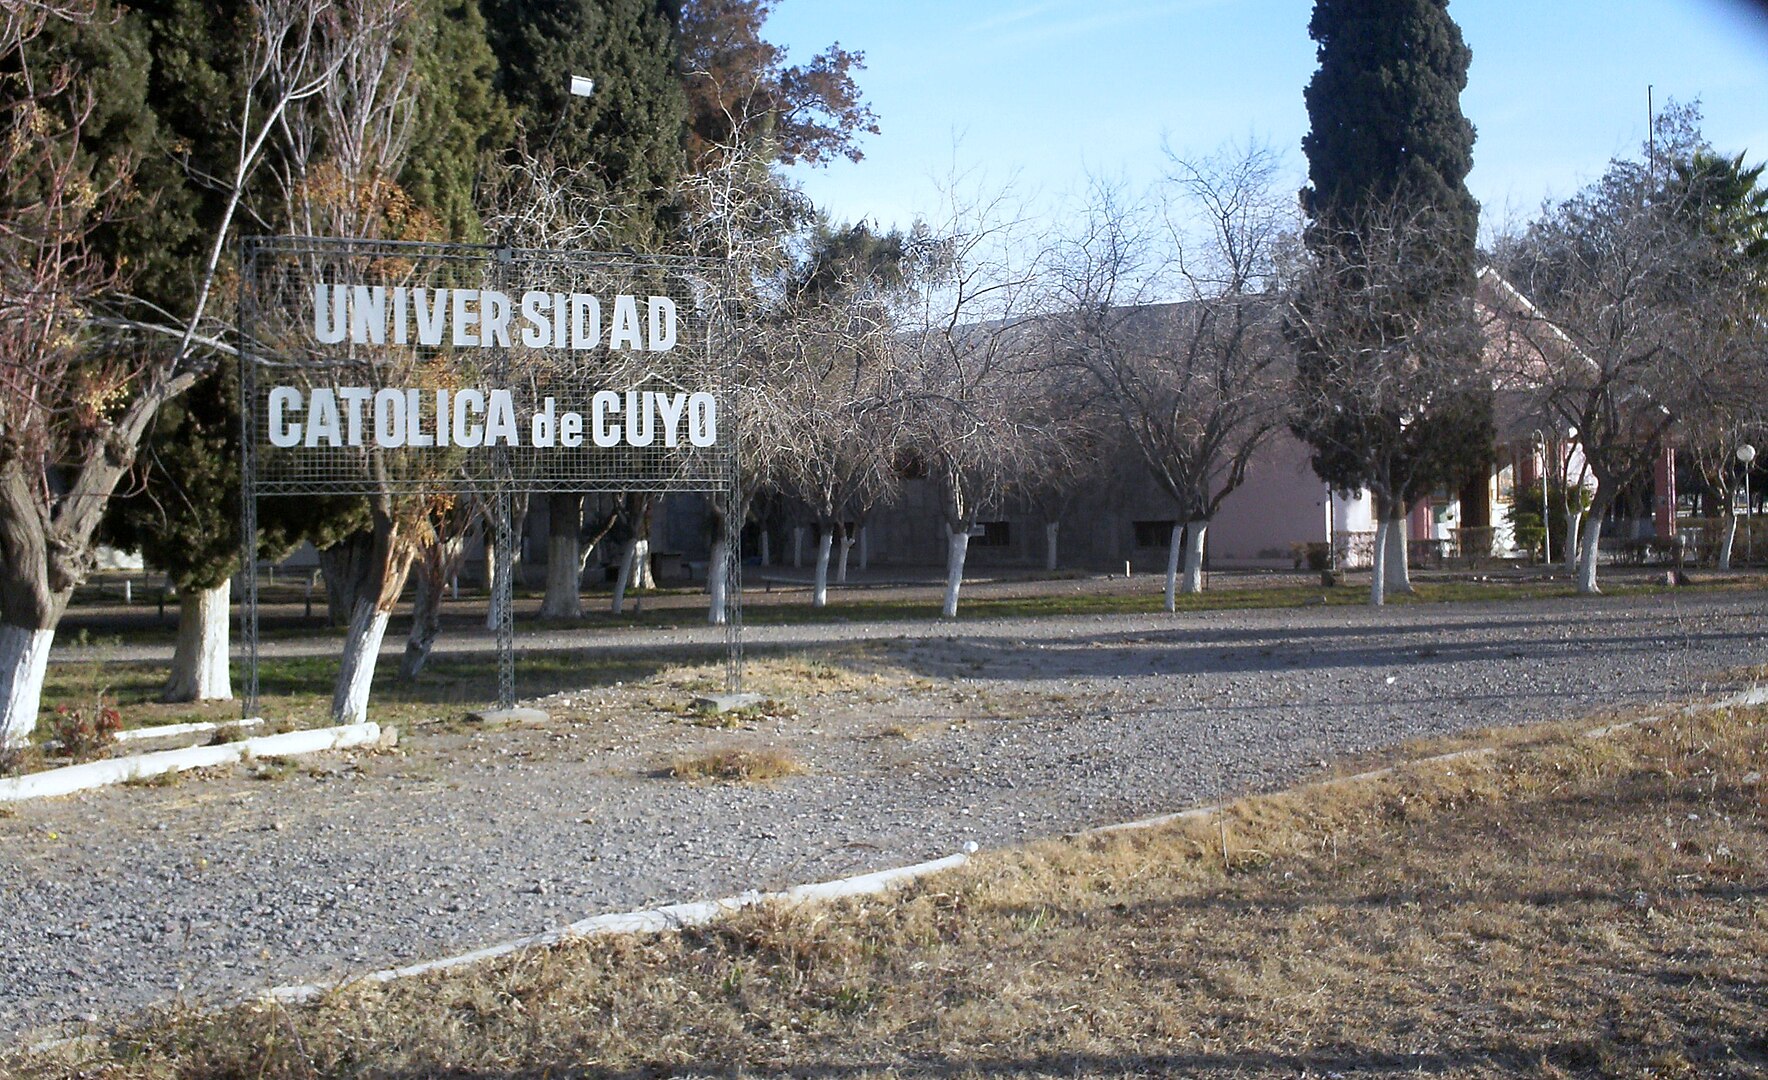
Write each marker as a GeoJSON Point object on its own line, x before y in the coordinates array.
{"type": "Point", "coordinates": [1546, 518]}
{"type": "Point", "coordinates": [582, 86]}
{"type": "Point", "coordinates": [1746, 454]}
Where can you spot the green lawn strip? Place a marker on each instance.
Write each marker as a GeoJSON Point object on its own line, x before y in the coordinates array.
{"type": "Point", "coordinates": [297, 689]}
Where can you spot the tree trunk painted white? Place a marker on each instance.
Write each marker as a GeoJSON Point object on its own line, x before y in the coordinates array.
{"type": "Point", "coordinates": [716, 576]}
{"type": "Point", "coordinates": [797, 547]}
{"type": "Point", "coordinates": [642, 576]}
{"type": "Point", "coordinates": [494, 571]}
{"type": "Point", "coordinates": [199, 663]}
{"type": "Point", "coordinates": [1194, 537]}
{"type": "Point", "coordinates": [1587, 559]}
{"type": "Point", "coordinates": [1725, 543]}
{"type": "Point", "coordinates": [957, 546]}
{"type": "Point", "coordinates": [628, 559]}
{"type": "Point", "coordinates": [564, 558]}
{"type": "Point", "coordinates": [847, 542]}
{"type": "Point", "coordinates": [1052, 530]}
{"type": "Point", "coordinates": [766, 548]}
{"type": "Point", "coordinates": [1174, 546]}
{"type": "Point", "coordinates": [1399, 571]}
{"type": "Point", "coordinates": [819, 593]}
{"type": "Point", "coordinates": [24, 657]}
{"type": "Point", "coordinates": [1573, 523]}
{"type": "Point", "coordinates": [564, 595]}
{"type": "Point", "coordinates": [1378, 565]}
{"type": "Point", "coordinates": [518, 538]}
{"type": "Point", "coordinates": [362, 648]}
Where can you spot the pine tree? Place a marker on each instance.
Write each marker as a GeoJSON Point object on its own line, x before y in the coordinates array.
{"type": "Point", "coordinates": [809, 113]}
{"type": "Point", "coordinates": [629, 132]}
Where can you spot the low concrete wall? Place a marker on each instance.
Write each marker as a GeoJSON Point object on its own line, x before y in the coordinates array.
{"type": "Point", "coordinates": [93, 774]}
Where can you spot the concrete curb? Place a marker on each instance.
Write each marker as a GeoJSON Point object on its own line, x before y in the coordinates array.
{"type": "Point", "coordinates": [94, 774]}
{"type": "Point", "coordinates": [646, 921]}
{"type": "Point", "coordinates": [200, 727]}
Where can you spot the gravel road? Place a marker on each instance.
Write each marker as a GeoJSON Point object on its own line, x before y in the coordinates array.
{"type": "Point", "coordinates": [926, 736]}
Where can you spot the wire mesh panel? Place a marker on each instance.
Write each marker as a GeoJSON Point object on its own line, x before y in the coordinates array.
{"type": "Point", "coordinates": [408, 370]}
{"type": "Point", "coordinates": [386, 367]}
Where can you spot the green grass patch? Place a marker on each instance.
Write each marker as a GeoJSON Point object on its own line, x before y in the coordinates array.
{"type": "Point", "coordinates": [298, 689]}
{"type": "Point", "coordinates": [1153, 601]}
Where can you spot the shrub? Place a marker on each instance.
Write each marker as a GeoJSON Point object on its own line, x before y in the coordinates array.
{"type": "Point", "coordinates": [736, 766]}
{"type": "Point", "coordinates": [84, 732]}
{"type": "Point", "coordinates": [1316, 555]}
{"type": "Point", "coordinates": [1525, 513]}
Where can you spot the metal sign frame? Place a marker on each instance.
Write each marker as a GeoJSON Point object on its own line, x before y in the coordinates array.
{"type": "Point", "coordinates": [613, 369]}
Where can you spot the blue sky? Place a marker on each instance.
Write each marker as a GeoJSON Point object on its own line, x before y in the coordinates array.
{"type": "Point", "coordinates": [1041, 92]}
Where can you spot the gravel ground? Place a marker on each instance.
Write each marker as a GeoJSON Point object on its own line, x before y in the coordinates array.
{"type": "Point", "coordinates": [923, 737]}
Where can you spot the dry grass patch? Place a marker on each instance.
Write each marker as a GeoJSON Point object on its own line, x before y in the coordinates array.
{"type": "Point", "coordinates": [861, 667]}
{"type": "Point", "coordinates": [736, 766]}
{"type": "Point", "coordinates": [1573, 908]}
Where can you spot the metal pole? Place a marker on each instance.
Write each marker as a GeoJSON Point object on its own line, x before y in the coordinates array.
{"type": "Point", "coordinates": [248, 480]}
{"type": "Point", "coordinates": [733, 590]}
{"type": "Point", "coordinates": [503, 478]}
{"type": "Point", "coordinates": [504, 597]}
{"type": "Point", "coordinates": [1546, 515]}
{"type": "Point", "coordinates": [733, 517]}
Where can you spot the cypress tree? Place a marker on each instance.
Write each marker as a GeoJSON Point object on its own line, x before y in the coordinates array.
{"type": "Point", "coordinates": [1385, 119]}
{"type": "Point", "coordinates": [459, 112]}
{"type": "Point", "coordinates": [1388, 392]}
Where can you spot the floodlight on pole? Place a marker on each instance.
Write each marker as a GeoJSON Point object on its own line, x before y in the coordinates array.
{"type": "Point", "coordinates": [582, 86]}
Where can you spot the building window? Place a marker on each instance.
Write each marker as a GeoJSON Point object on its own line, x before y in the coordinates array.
{"type": "Point", "coordinates": [1154, 534]}
{"type": "Point", "coordinates": [991, 534]}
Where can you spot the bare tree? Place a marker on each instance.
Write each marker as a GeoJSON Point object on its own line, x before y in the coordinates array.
{"type": "Point", "coordinates": [1625, 323]}
{"type": "Point", "coordinates": [841, 461]}
{"type": "Point", "coordinates": [342, 148]}
{"type": "Point", "coordinates": [1711, 441]}
{"type": "Point", "coordinates": [534, 201]}
{"type": "Point", "coordinates": [54, 394]}
{"type": "Point", "coordinates": [967, 362]}
{"type": "Point", "coordinates": [740, 212]}
{"type": "Point", "coordinates": [832, 343]}
{"type": "Point", "coordinates": [1179, 329]}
